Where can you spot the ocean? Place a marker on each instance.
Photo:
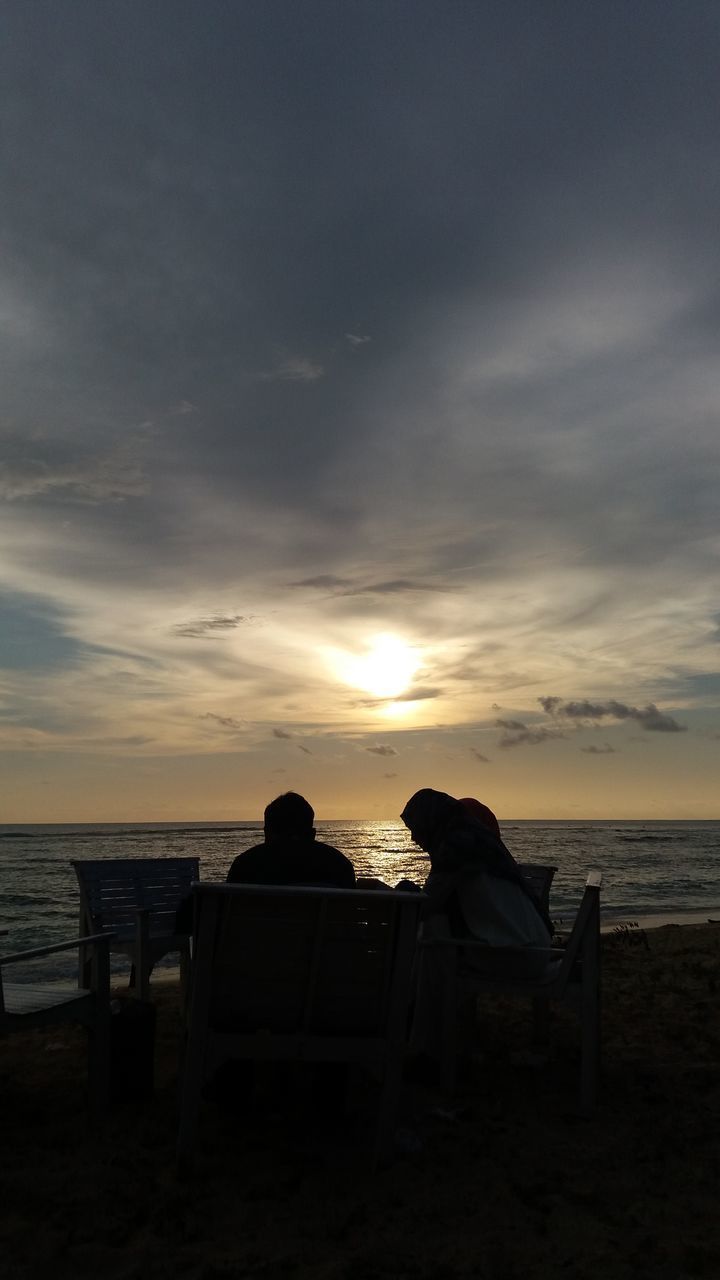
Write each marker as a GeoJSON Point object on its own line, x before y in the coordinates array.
{"type": "Point", "coordinates": [651, 870]}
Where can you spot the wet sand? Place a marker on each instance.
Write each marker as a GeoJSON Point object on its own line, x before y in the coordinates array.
{"type": "Point", "coordinates": [504, 1182]}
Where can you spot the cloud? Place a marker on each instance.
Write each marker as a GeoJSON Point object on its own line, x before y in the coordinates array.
{"type": "Point", "coordinates": [479, 756]}
{"type": "Point", "coordinates": [112, 478]}
{"type": "Point", "coordinates": [518, 734]}
{"type": "Point", "coordinates": [394, 586]}
{"type": "Point", "coordinates": [324, 581]}
{"type": "Point", "coordinates": [649, 717]}
{"type": "Point", "coordinates": [346, 587]}
{"type": "Point", "coordinates": [438, 487]}
{"type": "Point", "coordinates": [281, 733]}
{"type": "Point", "coordinates": [605, 750]}
{"type": "Point", "coordinates": [306, 750]}
{"type": "Point", "coordinates": [228, 722]}
{"type": "Point", "coordinates": [419, 694]}
{"type": "Point", "coordinates": [390, 775]}
{"type": "Point", "coordinates": [210, 627]}
{"type": "Point", "coordinates": [381, 751]}
{"type": "Point", "coordinates": [294, 369]}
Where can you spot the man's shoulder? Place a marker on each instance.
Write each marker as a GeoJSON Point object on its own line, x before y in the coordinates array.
{"type": "Point", "coordinates": [331, 852]}
{"type": "Point", "coordinates": [245, 860]}
{"type": "Point", "coordinates": [330, 848]}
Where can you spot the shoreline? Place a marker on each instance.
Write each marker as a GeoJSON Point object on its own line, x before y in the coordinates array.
{"type": "Point", "coordinates": [659, 920]}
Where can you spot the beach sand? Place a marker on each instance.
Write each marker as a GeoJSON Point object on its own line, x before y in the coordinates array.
{"type": "Point", "coordinates": [504, 1182]}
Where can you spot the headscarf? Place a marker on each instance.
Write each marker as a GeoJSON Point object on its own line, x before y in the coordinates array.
{"type": "Point", "coordinates": [482, 813]}
{"type": "Point", "coordinates": [458, 842]}
{"type": "Point", "coordinates": [455, 838]}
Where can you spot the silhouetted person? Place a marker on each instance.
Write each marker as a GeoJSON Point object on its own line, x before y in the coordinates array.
{"type": "Point", "coordinates": [290, 853]}
{"type": "Point", "coordinates": [475, 890]}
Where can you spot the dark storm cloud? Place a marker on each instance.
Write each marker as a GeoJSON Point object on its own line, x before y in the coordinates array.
{"type": "Point", "coordinates": [648, 717]}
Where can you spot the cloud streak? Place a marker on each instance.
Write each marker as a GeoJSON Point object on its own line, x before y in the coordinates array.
{"type": "Point", "coordinates": [649, 717]}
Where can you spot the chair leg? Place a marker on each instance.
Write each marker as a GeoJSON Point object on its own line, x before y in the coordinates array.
{"type": "Point", "coordinates": [143, 959]}
{"type": "Point", "coordinates": [590, 1018]}
{"type": "Point", "coordinates": [184, 981]}
{"type": "Point", "coordinates": [541, 1020]}
{"type": "Point", "coordinates": [190, 1090]}
{"type": "Point", "coordinates": [449, 1035]}
{"type": "Point", "coordinates": [99, 1038]}
{"type": "Point", "coordinates": [590, 1048]}
{"type": "Point", "coordinates": [387, 1110]}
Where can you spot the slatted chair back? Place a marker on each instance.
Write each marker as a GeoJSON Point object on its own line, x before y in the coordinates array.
{"type": "Point", "coordinates": [311, 973]}
{"type": "Point", "coordinates": [136, 899]}
{"type": "Point", "coordinates": [539, 879]}
{"type": "Point", "coordinates": [113, 890]}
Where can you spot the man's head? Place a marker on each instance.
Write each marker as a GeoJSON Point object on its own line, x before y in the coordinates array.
{"type": "Point", "coordinates": [290, 817]}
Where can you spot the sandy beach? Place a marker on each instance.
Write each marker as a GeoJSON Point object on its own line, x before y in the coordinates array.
{"type": "Point", "coordinates": [504, 1181]}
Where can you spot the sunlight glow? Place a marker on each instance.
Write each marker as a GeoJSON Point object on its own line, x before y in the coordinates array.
{"type": "Point", "coordinates": [386, 670]}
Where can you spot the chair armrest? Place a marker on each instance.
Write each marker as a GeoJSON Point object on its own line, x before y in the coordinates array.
{"type": "Point", "coordinates": [474, 944]}
{"type": "Point", "coordinates": [96, 939]}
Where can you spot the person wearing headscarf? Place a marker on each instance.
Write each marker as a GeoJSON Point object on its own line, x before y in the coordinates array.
{"type": "Point", "coordinates": [475, 890]}
{"type": "Point", "coordinates": [474, 879]}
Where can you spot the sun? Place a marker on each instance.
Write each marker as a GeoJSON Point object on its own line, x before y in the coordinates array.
{"type": "Point", "coordinates": [386, 670]}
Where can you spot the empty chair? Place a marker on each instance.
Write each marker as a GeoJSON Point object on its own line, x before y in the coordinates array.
{"type": "Point", "coordinates": [311, 974]}
{"type": "Point", "coordinates": [26, 1005]}
{"type": "Point", "coordinates": [136, 899]}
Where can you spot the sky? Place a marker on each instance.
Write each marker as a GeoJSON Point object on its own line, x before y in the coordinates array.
{"type": "Point", "coordinates": [360, 407]}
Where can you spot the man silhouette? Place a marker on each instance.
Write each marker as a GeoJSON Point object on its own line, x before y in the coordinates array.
{"type": "Point", "coordinates": [290, 853]}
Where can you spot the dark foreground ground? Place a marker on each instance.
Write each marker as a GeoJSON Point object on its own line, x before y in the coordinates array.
{"type": "Point", "coordinates": [504, 1183]}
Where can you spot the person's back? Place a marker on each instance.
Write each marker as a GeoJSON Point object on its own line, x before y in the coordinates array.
{"type": "Point", "coordinates": [290, 853]}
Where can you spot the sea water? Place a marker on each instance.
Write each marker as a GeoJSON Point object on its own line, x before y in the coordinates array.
{"type": "Point", "coordinates": [650, 869]}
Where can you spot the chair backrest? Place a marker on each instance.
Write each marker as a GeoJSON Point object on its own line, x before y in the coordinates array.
{"type": "Point", "coordinates": [113, 889]}
{"type": "Point", "coordinates": [539, 879]}
{"type": "Point", "coordinates": [584, 939]}
{"type": "Point", "coordinates": [303, 961]}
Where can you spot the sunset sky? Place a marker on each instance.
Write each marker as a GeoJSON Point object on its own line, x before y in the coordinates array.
{"type": "Point", "coordinates": [360, 407]}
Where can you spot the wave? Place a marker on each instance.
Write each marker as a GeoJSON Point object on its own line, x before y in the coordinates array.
{"type": "Point", "coordinates": [665, 838]}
